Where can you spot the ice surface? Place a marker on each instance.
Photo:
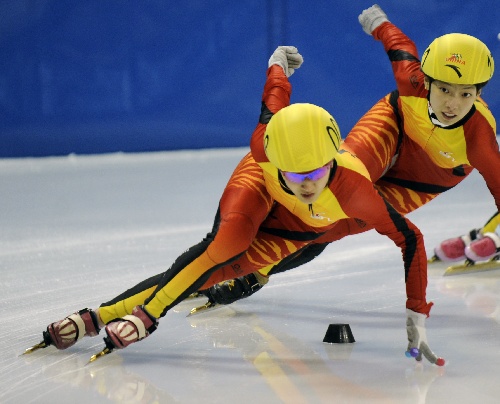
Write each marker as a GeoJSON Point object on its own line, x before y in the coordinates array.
{"type": "Point", "coordinates": [75, 231]}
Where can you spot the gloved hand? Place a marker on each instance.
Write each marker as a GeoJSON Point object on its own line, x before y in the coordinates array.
{"type": "Point", "coordinates": [288, 57]}
{"type": "Point", "coordinates": [371, 18]}
{"type": "Point", "coordinates": [417, 339]}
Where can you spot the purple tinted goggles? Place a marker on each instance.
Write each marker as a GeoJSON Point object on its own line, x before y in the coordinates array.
{"type": "Point", "coordinates": [314, 175]}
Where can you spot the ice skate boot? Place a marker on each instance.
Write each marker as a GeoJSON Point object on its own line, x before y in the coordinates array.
{"type": "Point", "coordinates": [228, 292]}
{"type": "Point", "coordinates": [65, 333]}
{"type": "Point", "coordinates": [126, 330]}
{"type": "Point", "coordinates": [484, 249]}
{"type": "Point", "coordinates": [453, 249]}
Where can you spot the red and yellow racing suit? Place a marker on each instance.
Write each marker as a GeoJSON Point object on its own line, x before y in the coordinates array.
{"type": "Point", "coordinates": [430, 159]}
{"type": "Point", "coordinates": [260, 222]}
{"type": "Point", "coordinates": [410, 159]}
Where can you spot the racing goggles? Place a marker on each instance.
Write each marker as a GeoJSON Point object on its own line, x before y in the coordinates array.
{"type": "Point", "coordinates": [314, 175]}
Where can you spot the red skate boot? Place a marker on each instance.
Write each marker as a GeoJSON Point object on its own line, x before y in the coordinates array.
{"type": "Point", "coordinates": [66, 332]}
{"type": "Point", "coordinates": [126, 330]}
{"type": "Point", "coordinates": [131, 328]}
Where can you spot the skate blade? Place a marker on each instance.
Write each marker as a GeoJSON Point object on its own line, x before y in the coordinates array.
{"type": "Point", "coordinates": [195, 295]}
{"type": "Point", "coordinates": [433, 259]}
{"type": "Point", "coordinates": [469, 268]}
{"type": "Point", "coordinates": [35, 348]}
{"type": "Point", "coordinates": [208, 306]}
{"type": "Point", "coordinates": [188, 302]}
{"type": "Point", "coordinates": [98, 355]}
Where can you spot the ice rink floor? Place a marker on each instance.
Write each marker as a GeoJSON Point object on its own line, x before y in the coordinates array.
{"type": "Point", "coordinates": [78, 230]}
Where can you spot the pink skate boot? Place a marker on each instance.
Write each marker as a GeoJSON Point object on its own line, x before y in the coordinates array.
{"type": "Point", "coordinates": [484, 248]}
{"type": "Point", "coordinates": [453, 249]}
{"type": "Point", "coordinates": [132, 328]}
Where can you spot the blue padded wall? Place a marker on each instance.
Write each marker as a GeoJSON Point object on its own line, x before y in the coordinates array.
{"type": "Point", "coordinates": [119, 75]}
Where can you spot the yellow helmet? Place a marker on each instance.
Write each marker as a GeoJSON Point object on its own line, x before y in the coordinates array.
{"type": "Point", "coordinates": [458, 59]}
{"type": "Point", "coordinates": [301, 138]}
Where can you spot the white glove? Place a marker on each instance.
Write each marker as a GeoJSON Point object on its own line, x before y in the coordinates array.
{"type": "Point", "coordinates": [417, 339]}
{"type": "Point", "coordinates": [371, 18]}
{"type": "Point", "coordinates": [288, 57]}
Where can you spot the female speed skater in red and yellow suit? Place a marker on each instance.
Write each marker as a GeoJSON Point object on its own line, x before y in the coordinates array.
{"type": "Point", "coordinates": [290, 190]}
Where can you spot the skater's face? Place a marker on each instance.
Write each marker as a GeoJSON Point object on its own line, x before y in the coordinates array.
{"type": "Point", "coordinates": [451, 102]}
{"type": "Point", "coordinates": [307, 187]}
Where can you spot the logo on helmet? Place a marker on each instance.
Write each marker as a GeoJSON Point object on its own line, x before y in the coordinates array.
{"type": "Point", "coordinates": [456, 58]}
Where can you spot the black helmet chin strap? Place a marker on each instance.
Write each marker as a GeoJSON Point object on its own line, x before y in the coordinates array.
{"type": "Point", "coordinates": [429, 80]}
{"type": "Point", "coordinates": [432, 115]}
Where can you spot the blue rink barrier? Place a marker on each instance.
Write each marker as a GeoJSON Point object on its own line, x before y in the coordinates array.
{"type": "Point", "coordinates": [103, 76]}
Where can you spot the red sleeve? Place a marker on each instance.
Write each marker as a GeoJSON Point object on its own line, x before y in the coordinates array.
{"type": "Point", "coordinates": [364, 203]}
{"type": "Point", "coordinates": [404, 58]}
{"type": "Point", "coordinates": [483, 152]}
{"type": "Point", "coordinates": [277, 92]}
